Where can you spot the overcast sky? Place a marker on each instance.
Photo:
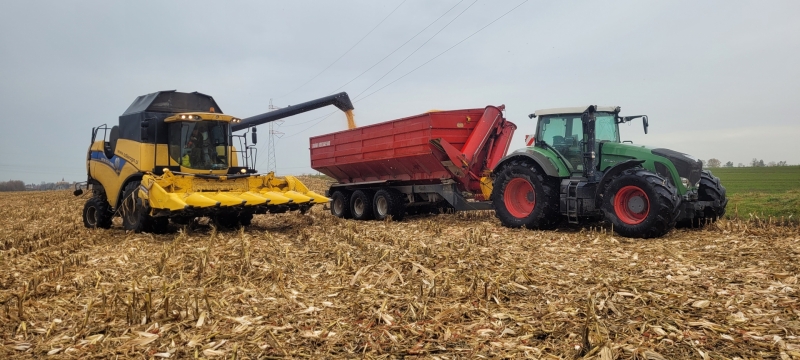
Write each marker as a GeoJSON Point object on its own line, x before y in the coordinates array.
{"type": "Point", "coordinates": [717, 78]}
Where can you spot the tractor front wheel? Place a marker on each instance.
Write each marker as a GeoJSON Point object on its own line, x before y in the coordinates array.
{"type": "Point", "coordinates": [640, 204]}
{"type": "Point", "coordinates": [97, 213]}
{"type": "Point", "coordinates": [524, 197]}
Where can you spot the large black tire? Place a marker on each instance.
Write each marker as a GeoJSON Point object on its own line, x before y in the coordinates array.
{"type": "Point", "coordinates": [712, 190]}
{"type": "Point", "coordinates": [340, 204]}
{"type": "Point", "coordinates": [245, 218]}
{"type": "Point", "coordinates": [361, 205]}
{"type": "Point", "coordinates": [388, 202]}
{"type": "Point", "coordinates": [641, 204]}
{"type": "Point", "coordinates": [136, 212]}
{"type": "Point", "coordinates": [226, 220]}
{"type": "Point", "coordinates": [97, 213]}
{"type": "Point", "coordinates": [523, 196]}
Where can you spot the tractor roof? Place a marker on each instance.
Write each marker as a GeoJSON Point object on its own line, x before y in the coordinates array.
{"type": "Point", "coordinates": [171, 101]}
{"type": "Point", "coordinates": [575, 110]}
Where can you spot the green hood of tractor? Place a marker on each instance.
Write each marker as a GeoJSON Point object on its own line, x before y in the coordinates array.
{"type": "Point", "coordinates": [670, 164]}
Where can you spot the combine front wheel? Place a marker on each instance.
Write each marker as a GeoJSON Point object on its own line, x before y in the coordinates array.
{"type": "Point", "coordinates": [136, 212]}
{"type": "Point", "coordinates": [523, 197]}
{"type": "Point", "coordinates": [96, 213]}
{"type": "Point", "coordinates": [640, 204]}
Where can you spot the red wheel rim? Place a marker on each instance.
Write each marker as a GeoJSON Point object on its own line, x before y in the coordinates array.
{"type": "Point", "coordinates": [519, 197]}
{"type": "Point", "coordinates": [631, 205]}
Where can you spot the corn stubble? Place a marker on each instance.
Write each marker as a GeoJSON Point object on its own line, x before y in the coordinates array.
{"type": "Point", "coordinates": [444, 286]}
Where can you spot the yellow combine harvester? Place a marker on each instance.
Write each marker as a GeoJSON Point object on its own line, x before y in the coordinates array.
{"type": "Point", "coordinates": [172, 157]}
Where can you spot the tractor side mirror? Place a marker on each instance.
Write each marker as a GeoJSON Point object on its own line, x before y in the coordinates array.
{"type": "Point", "coordinates": [645, 123]}
{"type": "Point", "coordinates": [254, 136]}
{"type": "Point", "coordinates": [145, 125]}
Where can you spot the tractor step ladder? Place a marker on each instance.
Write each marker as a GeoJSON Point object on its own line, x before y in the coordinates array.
{"type": "Point", "coordinates": [572, 201]}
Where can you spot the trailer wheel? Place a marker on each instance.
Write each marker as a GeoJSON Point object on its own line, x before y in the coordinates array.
{"type": "Point", "coordinates": [388, 202]}
{"type": "Point", "coordinates": [340, 204]}
{"type": "Point", "coordinates": [96, 213]}
{"type": "Point", "coordinates": [361, 205]}
{"type": "Point", "coordinates": [640, 204]}
{"type": "Point", "coordinates": [524, 197]}
{"type": "Point", "coordinates": [136, 213]}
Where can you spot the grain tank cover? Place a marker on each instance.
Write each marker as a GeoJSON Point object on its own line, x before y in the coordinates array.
{"type": "Point", "coordinates": [171, 101]}
{"type": "Point", "coordinates": [155, 108]}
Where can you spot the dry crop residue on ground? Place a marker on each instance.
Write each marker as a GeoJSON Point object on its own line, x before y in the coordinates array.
{"type": "Point", "coordinates": [447, 286]}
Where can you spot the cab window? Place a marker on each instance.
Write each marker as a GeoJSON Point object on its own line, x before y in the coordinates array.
{"type": "Point", "coordinates": [201, 145]}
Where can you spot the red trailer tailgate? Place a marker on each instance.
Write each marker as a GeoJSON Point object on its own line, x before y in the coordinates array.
{"type": "Point", "coordinates": [392, 150]}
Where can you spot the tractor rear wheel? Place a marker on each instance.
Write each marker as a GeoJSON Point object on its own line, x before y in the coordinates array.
{"type": "Point", "coordinates": [361, 205]}
{"type": "Point", "coordinates": [97, 213]}
{"type": "Point", "coordinates": [340, 204]}
{"type": "Point", "coordinates": [136, 212]}
{"type": "Point", "coordinates": [388, 202]}
{"type": "Point", "coordinates": [523, 196]}
{"type": "Point", "coordinates": [640, 204]}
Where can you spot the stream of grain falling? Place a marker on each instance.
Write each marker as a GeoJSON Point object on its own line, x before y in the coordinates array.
{"type": "Point", "coordinates": [351, 119]}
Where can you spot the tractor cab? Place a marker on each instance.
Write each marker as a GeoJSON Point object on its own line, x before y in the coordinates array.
{"type": "Point", "coordinates": [575, 134]}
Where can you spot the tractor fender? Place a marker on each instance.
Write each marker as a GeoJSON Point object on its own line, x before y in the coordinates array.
{"type": "Point", "coordinates": [540, 160]}
{"type": "Point", "coordinates": [612, 172]}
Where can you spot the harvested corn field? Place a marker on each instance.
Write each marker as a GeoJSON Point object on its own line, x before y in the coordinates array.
{"type": "Point", "coordinates": [440, 286]}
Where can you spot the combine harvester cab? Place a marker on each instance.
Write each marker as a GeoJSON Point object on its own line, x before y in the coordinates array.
{"type": "Point", "coordinates": [172, 157]}
{"type": "Point", "coordinates": [419, 164]}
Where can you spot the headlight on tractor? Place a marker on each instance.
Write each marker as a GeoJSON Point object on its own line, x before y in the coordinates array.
{"type": "Point", "coordinates": [685, 182]}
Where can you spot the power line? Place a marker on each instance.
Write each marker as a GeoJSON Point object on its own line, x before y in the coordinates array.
{"type": "Point", "coordinates": [418, 67]}
{"type": "Point", "coordinates": [415, 50]}
{"type": "Point", "coordinates": [443, 52]}
{"type": "Point", "coordinates": [398, 48]}
{"type": "Point", "coordinates": [345, 53]}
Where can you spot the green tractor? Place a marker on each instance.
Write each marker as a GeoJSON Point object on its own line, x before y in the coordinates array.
{"type": "Point", "coordinates": [577, 168]}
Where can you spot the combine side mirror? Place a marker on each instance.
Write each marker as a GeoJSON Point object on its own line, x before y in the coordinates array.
{"type": "Point", "coordinates": [255, 137]}
{"type": "Point", "coordinates": [645, 123]}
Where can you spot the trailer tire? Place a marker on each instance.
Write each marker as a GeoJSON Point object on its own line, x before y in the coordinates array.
{"type": "Point", "coordinates": [361, 205]}
{"type": "Point", "coordinates": [96, 213]}
{"type": "Point", "coordinates": [640, 204]}
{"type": "Point", "coordinates": [135, 212]}
{"type": "Point", "coordinates": [525, 197]}
{"type": "Point", "coordinates": [340, 204]}
{"type": "Point", "coordinates": [710, 190]}
{"type": "Point", "coordinates": [388, 202]}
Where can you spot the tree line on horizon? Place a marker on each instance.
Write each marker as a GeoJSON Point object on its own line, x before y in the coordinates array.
{"type": "Point", "coordinates": [19, 185]}
{"type": "Point", "coordinates": [715, 163]}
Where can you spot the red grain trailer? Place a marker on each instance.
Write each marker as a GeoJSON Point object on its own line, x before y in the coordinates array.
{"type": "Point", "coordinates": [439, 159]}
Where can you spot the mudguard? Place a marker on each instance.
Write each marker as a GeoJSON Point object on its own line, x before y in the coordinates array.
{"type": "Point", "coordinates": [541, 160]}
{"type": "Point", "coordinates": [614, 171]}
